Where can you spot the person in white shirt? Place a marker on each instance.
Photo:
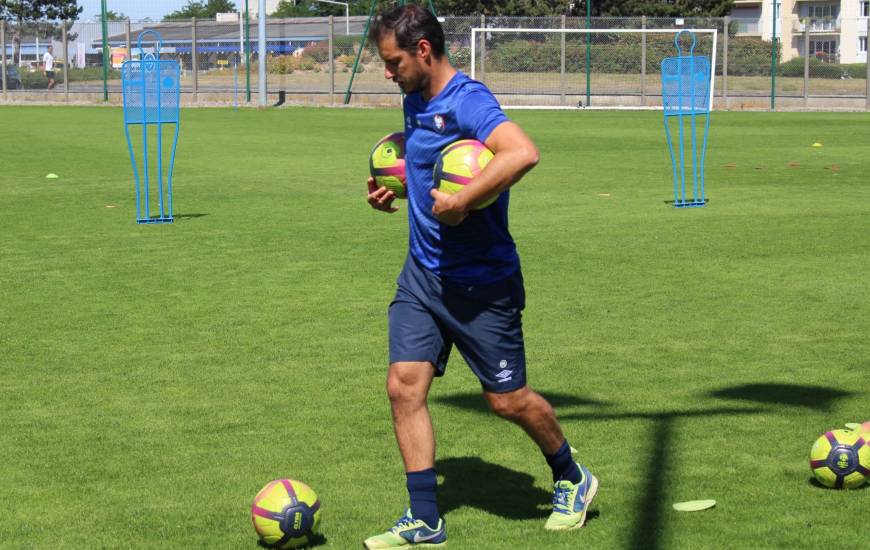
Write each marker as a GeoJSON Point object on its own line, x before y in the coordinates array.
{"type": "Point", "coordinates": [48, 66]}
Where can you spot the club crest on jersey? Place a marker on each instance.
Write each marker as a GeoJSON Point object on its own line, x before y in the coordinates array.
{"type": "Point", "coordinates": [439, 123]}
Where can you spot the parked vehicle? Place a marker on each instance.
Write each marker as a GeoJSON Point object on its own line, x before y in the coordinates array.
{"type": "Point", "coordinates": [13, 79]}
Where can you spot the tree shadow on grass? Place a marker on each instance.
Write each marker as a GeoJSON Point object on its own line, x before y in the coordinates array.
{"type": "Point", "coordinates": [471, 481]}
{"type": "Point", "coordinates": [476, 402]}
{"type": "Point", "coordinates": [650, 522]}
{"type": "Point", "coordinates": [818, 398]}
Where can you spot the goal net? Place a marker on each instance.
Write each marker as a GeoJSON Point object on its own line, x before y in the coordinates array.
{"type": "Point", "coordinates": [571, 68]}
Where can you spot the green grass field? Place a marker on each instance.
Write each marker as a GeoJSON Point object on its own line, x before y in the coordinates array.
{"type": "Point", "coordinates": [153, 378]}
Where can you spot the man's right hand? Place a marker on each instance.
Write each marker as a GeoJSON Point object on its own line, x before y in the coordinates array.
{"type": "Point", "coordinates": [381, 198]}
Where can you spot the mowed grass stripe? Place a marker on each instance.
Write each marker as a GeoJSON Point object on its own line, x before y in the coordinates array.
{"type": "Point", "coordinates": [155, 377]}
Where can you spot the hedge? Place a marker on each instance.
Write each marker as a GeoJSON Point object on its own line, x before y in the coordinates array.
{"type": "Point", "coordinates": [617, 54]}
{"type": "Point", "coordinates": [818, 69]}
{"type": "Point", "coordinates": [36, 80]}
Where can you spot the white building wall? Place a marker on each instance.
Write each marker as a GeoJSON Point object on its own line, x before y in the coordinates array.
{"type": "Point", "coordinates": [792, 16]}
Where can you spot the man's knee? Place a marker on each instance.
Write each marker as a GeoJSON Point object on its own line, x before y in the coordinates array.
{"type": "Point", "coordinates": [409, 382]}
{"type": "Point", "coordinates": [509, 405]}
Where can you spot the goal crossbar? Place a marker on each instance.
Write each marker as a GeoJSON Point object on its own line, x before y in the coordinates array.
{"type": "Point", "coordinates": [714, 32]}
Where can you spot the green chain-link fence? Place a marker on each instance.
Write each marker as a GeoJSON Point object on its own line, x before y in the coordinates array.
{"type": "Point", "coordinates": [816, 62]}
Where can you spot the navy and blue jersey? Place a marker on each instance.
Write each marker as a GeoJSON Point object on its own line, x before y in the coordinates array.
{"type": "Point", "coordinates": [480, 250]}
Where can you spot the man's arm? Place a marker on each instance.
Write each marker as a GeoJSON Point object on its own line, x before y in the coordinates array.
{"type": "Point", "coordinates": [515, 154]}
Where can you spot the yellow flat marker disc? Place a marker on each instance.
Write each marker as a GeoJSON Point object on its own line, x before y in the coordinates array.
{"type": "Point", "coordinates": [694, 505]}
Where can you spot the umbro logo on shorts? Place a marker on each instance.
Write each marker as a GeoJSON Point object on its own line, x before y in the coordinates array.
{"type": "Point", "coordinates": [504, 375]}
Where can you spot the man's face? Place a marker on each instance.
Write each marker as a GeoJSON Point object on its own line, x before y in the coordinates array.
{"type": "Point", "coordinates": [400, 66]}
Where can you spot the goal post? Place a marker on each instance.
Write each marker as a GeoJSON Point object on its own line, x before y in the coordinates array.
{"type": "Point", "coordinates": [547, 68]}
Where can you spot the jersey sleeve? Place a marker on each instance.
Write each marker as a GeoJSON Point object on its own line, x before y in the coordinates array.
{"type": "Point", "coordinates": [478, 113]}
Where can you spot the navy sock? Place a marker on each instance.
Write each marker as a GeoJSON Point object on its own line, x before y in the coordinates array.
{"type": "Point", "coordinates": [424, 503]}
{"type": "Point", "coordinates": [563, 465]}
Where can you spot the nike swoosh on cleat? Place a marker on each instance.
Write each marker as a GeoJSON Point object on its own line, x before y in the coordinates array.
{"type": "Point", "coordinates": [418, 538]}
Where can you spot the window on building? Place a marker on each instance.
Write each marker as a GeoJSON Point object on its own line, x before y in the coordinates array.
{"type": "Point", "coordinates": [862, 44]}
{"type": "Point", "coordinates": [824, 50]}
{"type": "Point", "coordinates": [819, 11]}
{"type": "Point", "coordinates": [865, 9]}
{"type": "Point", "coordinates": [822, 17]}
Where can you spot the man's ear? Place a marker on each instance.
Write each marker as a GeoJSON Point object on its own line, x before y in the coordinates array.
{"type": "Point", "coordinates": [424, 49]}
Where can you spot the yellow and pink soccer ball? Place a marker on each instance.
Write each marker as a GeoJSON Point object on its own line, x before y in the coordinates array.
{"type": "Point", "coordinates": [459, 163]}
{"type": "Point", "coordinates": [387, 163]}
{"type": "Point", "coordinates": [841, 459]}
{"type": "Point", "coordinates": [286, 513]}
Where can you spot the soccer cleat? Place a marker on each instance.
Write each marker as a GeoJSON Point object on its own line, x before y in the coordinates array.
{"type": "Point", "coordinates": [571, 501]}
{"type": "Point", "coordinates": [409, 532]}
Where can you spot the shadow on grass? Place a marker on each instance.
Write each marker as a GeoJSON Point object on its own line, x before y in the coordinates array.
{"type": "Point", "coordinates": [188, 216]}
{"type": "Point", "coordinates": [812, 481]}
{"type": "Point", "coordinates": [313, 541]}
{"type": "Point", "coordinates": [472, 481]}
{"type": "Point", "coordinates": [653, 501]}
{"type": "Point", "coordinates": [819, 398]}
{"type": "Point", "coordinates": [498, 490]}
{"type": "Point", "coordinates": [476, 401]}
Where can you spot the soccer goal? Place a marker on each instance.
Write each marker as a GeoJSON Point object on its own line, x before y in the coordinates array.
{"type": "Point", "coordinates": [571, 68]}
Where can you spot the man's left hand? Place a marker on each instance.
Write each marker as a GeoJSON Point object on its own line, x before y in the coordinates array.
{"type": "Point", "coordinates": [446, 208]}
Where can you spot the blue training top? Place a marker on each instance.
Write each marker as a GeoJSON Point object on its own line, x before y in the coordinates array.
{"type": "Point", "coordinates": [479, 250]}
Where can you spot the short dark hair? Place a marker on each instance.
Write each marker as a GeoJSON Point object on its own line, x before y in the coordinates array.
{"type": "Point", "coordinates": [410, 24]}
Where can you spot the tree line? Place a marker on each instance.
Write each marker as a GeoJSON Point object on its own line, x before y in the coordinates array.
{"type": "Point", "coordinates": [40, 13]}
{"type": "Point", "coordinates": [19, 11]}
{"type": "Point", "coordinates": [527, 8]}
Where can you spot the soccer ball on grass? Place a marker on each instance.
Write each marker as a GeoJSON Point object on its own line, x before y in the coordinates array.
{"type": "Point", "coordinates": [285, 513]}
{"type": "Point", "coordinates": [841, 459]}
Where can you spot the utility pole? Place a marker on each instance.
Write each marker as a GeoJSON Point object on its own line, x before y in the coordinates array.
{"type": "Point", "coordinates": [105, 52]}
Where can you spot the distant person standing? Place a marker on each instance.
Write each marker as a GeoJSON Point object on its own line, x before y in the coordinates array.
{"type": "Point", "coordinates": [48, 67]}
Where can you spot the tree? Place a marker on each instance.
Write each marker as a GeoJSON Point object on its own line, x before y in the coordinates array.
{"type": "Point", "coordinates": [201, 10]}
{"type": "Point", "coordinates": [39, 17]}
{"type": "Point", "coordinates": [110, 16]}
{"type": "Point", "coordinates": [523, 8]}
{"type": "Point", "coordinates": [289, 8]}
{"type": "Point", "coordinates": [311, 8]}
{"type": "Point", "coordinates": [622, 8]}
{"type": "Point", "coordinates": [654, 8]}
{"type": "Point", "coordinates": [526, 8]}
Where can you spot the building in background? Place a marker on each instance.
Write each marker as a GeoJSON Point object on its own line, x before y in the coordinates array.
{"type": "Point", "coordinates": [837, 28]}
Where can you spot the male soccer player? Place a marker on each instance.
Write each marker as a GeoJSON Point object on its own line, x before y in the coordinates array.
{"type": "Point", "coordinates": [48, 66]}
{"type": "Point", "coordinates": [461, 283]}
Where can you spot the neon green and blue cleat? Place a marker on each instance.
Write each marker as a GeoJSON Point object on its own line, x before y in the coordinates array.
{"type": "Point", "coordinates": [571, 501]}
{"type": "Point", "coordinates": [409, 532]}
